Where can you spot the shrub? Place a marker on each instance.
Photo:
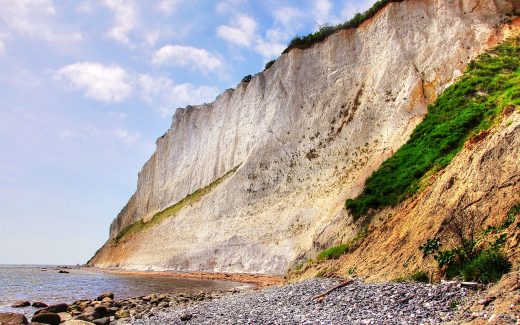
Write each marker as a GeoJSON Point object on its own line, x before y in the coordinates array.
{"type": "Point", "coordinates": [269, 64]}
{"type": "Point", "coordinates": [418, 276]}
{"type": "Point", "coordinates": [333, 253]}
{"type": "Point", "coordinates": [460, 112]}
{"type": "Point", "coordinates": [247, 78]}
{"type": "Point", "coordinates": [336, 251]}
{"type": "Point", "coordinates": [487, 267]}
{"type": "Point", "coordinates": [477, 260]}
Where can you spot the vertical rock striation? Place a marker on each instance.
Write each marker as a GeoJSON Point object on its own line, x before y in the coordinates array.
{"type": "Point", "coordinates": [306, 133]}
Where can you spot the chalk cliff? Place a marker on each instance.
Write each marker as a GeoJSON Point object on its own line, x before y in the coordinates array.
{"type": "Point", "coordinates": [305, 134]}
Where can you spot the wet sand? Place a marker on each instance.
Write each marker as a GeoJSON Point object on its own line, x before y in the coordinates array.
{"type": "Point", "coordinates": [259, 280]}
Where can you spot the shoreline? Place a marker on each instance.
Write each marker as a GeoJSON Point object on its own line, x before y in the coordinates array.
{"type": "Point", "coordinates": [259, 280]}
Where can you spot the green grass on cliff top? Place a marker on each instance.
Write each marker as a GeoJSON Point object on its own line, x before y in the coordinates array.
{"type": "Point", "coordinates": [469, 106]}
{"type": "Point", "coordinates": [171, 211]}
{"type": "Point", "coordinates": [302, 42]}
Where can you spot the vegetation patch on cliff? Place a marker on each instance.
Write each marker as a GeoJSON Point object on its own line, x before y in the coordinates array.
{"type": "Point", "coordinates": [479, 256]}
{"type": "Point", "coordinates": [469, 106]}
{"type": "Point", "coordinates": [302, 42]}
{"type": "Point", "coordinates": [171, 211]}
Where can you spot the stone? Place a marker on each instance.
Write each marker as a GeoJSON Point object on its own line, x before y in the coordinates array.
{"type": "Point", "coordinates": [58, 308]}
{"type": "Point", "coordinates": [47, 318]}
{"type": "Point", "coordinates": [486, 301]}
{"type": "Point", "coordinates": [63, 271]}
{"type": "Point", "coordinates": [12, 319]}
{"type": "Point", "coordinates": [65, 316]}
{"type": "Point", "coordinates": [85, 317]}
{"type": "Point", "coordinates": [149, 297]}
{"type": "Point", "coordinates": [105, 295]}
{"type": "Point", "coordinates": [107, 300]}
{"type": "Point", "coordinates": [100, 312]}
{"type": "Point", "coordinates": [122, 314]}
{"type": "Point", "coordinates": [21, 304]}
{"type": "Point", "coordinates": [102, 321]}
{"type": "Point", "coordinates": [185, 317]}
{"type": "Point", "coordinates": [163, 304]}
{"type": "Point", "coordinates": [77, 322]}
{"type": "Point", "coordinates": [39, 304]}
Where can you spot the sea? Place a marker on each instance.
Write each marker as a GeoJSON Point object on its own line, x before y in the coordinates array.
{"type": "Point", "coordinates": [44, 283]}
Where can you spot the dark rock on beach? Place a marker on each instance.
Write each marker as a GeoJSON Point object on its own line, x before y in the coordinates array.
{"type": "Point", "coordinates": [102, 321]}
{"type": "Point", "coordinates": [47, 318]}
{"type": "Point", "coordinates": [12, 319]}
{"type": "Point", "coordinates": [38, 304]}
{"type": "Point", "coordinates": [100, 312]}
{"type": "Point", "coordinates": [105, 295]}
{"type": "Point", "coordinates": [185, 317]}
{"type": "Point", "coordinates": [21, 304]}
{"type": "Point", "coordinates": [58, 308]}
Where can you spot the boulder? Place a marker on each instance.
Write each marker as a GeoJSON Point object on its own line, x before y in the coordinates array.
{"type": "Point", "coordinates": [63, 271]}
{"type": "Point", "coordinates": [102, 321]}
{"type": "Point", "coordinates": [47, 318]}
{"type": "Point", "coordinates": [186, 317]}
{"type": "Point", "coordinates": [149, 297]}
{"type": "Point", "coordinates": [12, 319]}
{"type": "Point", "coordinates": [65, 317]}
{"type": "Point", "coordinates": [85, 317]}
{"type": "Point", "coordinates": [122, 314]}
{"type": "Point", "coordinates": [39, 304]}
{"type": "Point", "coordinates": [100, 312]}
{"type": "Point", "coordinates": [107, 300]}
{"type": "Point", "coordinates": [58, 308]}
{"type": "Point", "coordinates": [105, 295]}
{"type": "Point", "coordinates": [21, 304]}
{"type": "Point", "coordinates": [77, 322]}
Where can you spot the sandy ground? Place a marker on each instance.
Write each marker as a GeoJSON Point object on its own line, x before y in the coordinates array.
{"type": "Point", "coordinates": [259, 280]}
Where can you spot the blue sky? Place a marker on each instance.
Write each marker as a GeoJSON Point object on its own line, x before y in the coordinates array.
{"type": "Point", "coordinates": [87, 86]}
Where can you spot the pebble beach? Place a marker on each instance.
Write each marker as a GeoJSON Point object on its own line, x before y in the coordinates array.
{"type": "Point", "coordinates": [356, 303]}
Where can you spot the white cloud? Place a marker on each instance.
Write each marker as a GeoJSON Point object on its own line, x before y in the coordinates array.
{"type": "Point", "coordinates": [34, 18]}
{"type": "Point", "coordinates": [241, 31]}
{"type": "Point", "coordinates": [179, 55]}
{"type": "Point", "coordinates": [2, 44]}
{"type": "Point", "coordinates": [167, 6]}
{"type": "Point", "coordinates": [269, 49]}
{"type": "Point", "coordinates": [97, 81]}
{"type": "Point", "coordinates": [228, 5]}
{"type": "Point", "coordinates": [126, 136]}
{"type": "Point", "coordinates": [288, 16]}
{"type": "Point", "coordinates": [166, 96]}
{"type": "Point", "coordinates": [322, 10]}
{"type": "Point", "coordinates": [67, 134]}
{"type": "Point", "coordinates": [85, 7]}
{"type": "Point", "coordinates": [125, 14]}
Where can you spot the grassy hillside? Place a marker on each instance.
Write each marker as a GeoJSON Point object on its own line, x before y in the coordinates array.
{"type": "Point", "coordinates": [466, 108]}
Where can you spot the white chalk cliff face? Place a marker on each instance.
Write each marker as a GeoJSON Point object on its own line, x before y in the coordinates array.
{"type": "Point", "coordinates": [306, 134]}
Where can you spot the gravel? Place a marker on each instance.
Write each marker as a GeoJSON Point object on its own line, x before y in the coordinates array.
{"type": "Point", "coordinates": [357, 303]}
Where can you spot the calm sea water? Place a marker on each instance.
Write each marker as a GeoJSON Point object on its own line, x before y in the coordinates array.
{"type": "Point", "coordinates": [33, 283]}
